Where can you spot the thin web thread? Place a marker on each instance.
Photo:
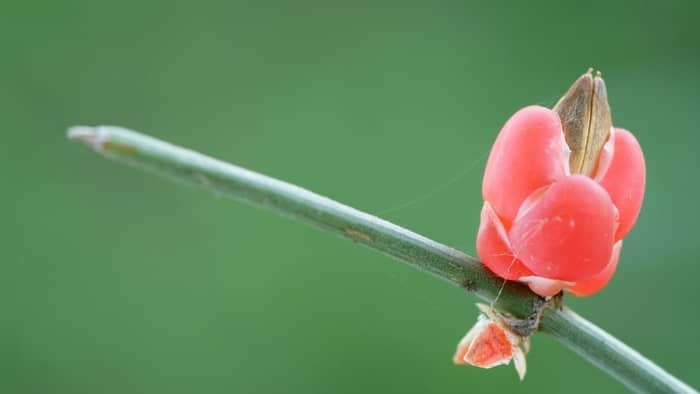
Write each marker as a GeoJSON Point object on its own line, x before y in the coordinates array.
{"type": "Point", "coordinates": [437, 189]}
{"type": "Point", "coordinates": [528, 236]}
{"type": "Point", "coordinates": [503, 284]}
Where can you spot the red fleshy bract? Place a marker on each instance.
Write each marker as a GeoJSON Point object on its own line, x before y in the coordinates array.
{"type": "Point", "coordinates": [592, 285]}
{"type": "Point", "coordinates": [568, 235]}
{"type": "Point", "coordinates": [493, 241]}
{"type": "Point", "coordinates": [625, 180]}
{"type": "Point", "coordinates": [528, 154]}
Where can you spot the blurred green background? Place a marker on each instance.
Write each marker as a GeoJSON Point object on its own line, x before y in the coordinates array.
{"type": "Point", "coordinates": [115, 281]}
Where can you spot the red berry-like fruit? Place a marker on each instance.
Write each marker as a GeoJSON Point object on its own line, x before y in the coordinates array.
{"type": "Point", "coordinates": [561, 189]}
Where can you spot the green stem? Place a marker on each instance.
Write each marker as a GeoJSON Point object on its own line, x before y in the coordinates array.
{"type": "Point", "coordinates": [591, 342]}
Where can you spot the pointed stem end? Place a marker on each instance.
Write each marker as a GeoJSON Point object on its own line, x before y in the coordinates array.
{"type": "Point", "coordinates": [94, 137]}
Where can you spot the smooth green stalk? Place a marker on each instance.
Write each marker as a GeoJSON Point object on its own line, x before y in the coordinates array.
{"type": "Point", "coordinates": [583, 337]}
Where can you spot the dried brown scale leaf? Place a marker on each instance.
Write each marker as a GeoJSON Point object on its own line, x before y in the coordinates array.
{"type": "Point", "coordinates": [586, 120]}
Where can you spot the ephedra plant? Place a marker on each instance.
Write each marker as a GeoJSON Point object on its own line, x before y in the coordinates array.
{"type": "Point", "coordinates": [561, 190]}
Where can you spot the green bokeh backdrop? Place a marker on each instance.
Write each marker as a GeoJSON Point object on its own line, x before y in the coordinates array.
{"type": "Point", "coordinates": [113, 281]}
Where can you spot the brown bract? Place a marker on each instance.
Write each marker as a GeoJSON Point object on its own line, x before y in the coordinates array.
{"type": "Point", "coordinates": [586, 121]}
